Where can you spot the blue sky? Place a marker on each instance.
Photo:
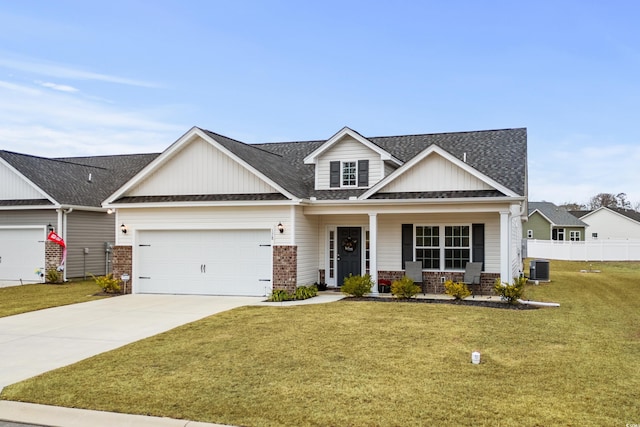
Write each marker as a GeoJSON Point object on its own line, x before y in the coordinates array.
{"type": "Point", "coordinates": [110, 77]}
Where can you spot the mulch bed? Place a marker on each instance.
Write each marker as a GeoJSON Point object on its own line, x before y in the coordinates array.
{"type": "Point", "coordinates": [467, 302]}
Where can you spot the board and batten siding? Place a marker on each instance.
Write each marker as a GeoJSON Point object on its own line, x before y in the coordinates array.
{"type": "Point", "coordinates": [201, 168]}
{"type": "Point", "coordinates": [205, 218]}
{"type": "Point", "coordinates": [435, 173]}
{"type": "Point", "coordinates": [88, 230]}
{"type": "Point", "coordinates": [306, 237]}
{"type": "Point", "coordinates": [13, 187]}
{"type": "Point", "coordinates": [348, 149]}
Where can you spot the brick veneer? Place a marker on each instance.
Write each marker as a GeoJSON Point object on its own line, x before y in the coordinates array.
{"type": "Point", "coordinates": [52, 256]}
{"type": "Point", "coordinates": [285, 268]}
{"type": "Point", "coordinates": [432, 281]}
{"type": "Point", "coordinates": [121, 262]}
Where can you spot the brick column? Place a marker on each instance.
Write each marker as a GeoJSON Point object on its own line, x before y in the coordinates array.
{"type": "Point", "coordinates": [285, 268]}
{"type": "Point", "coordinates": [52, 257]}
{"type": "Point", "coordinates": [121, 263]}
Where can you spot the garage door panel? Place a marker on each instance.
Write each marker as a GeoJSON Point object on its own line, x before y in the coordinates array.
{"type": "Point", "coordinates": [21, 254]}
{"type": "Point", "coordinates": [211, 262]}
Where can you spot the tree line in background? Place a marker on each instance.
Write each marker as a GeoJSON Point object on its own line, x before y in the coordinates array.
{"type": "Point", "coordinates": [608, 200]}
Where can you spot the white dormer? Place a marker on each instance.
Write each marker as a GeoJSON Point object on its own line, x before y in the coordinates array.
{"type": "Point", "coordinates": [348, 160]}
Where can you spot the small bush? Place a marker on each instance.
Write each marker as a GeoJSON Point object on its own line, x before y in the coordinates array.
{"type": "Point", "coordinates": [280, 295]}
{"type": "Point", "coordinates": [457, 290]}
{"type": "Point", "coordinates": [404, 288]}
{"type": "Point", "coordinates": [512, 293]}
{"type": "Point", "coordinates": [53, 276]}
{"type": "Point", "coordinates": [357, 285]}
{"type": "Point", "coordinates": [305, 292]}
{"type": "Point", "coordinates": [107, 283]}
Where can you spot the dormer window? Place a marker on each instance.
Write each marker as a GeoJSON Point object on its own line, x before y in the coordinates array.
{"type": "Point", "coordinates": [349, 174]}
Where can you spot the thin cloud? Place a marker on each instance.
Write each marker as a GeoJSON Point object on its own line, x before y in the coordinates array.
{"type": "Point", "coordinates": [58, 87]}
{"type": "Point", "coordinates": [49, 69]}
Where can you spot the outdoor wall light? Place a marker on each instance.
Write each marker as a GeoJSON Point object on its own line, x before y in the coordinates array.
{"type": "Point", "coordinates": [280, 227]}
{"type": "Point", "coordinates": [123, 228]}
{"type": "Point", "coordinates": [50, 228]}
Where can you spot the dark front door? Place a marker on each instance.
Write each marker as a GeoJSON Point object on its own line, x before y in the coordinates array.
{"type": "Point", "coordinates": [349, 252]}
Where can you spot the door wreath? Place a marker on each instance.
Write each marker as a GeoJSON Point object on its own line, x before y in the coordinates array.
{"type": "Point", "coordinates": [349, 244]}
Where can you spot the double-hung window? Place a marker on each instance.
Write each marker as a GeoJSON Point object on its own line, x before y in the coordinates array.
{"type": "Point", "coordinates": [456, 246]}
{"type": "Point", "coordinates": [349, 174]}
{"type": "Point", "coordinates": [574, 236]}
{"type": "Point", "coordinates": [443, 246]}
{"type": "Point", "coordinates": [428, 246]}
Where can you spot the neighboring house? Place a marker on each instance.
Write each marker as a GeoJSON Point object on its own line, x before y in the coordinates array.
{"type": "Point", "coordinates": [38, 195]}
{"type": "Point", "coordinates": [611, 223]}
{"type": "Point", "coordinates": [550, 222]}
{"type": "Point", "coordinates": [212, 215]}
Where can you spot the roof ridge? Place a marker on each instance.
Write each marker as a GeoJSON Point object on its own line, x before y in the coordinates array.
{"type": "Point", "coordinates": [240, 142]}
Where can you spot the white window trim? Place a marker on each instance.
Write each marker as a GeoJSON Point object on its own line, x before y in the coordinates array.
{"type": "Point", "coordinates": [342, 164]}
{"type": "Point", "coordinates": [573, 234]}
{"type": "Point", "coordinates": [442, 247]}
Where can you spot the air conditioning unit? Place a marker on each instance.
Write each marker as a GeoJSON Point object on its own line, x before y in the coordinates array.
{"type": "Point", "coordinates": [539, 270]}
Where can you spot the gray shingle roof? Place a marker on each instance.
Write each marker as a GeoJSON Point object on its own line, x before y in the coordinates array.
{"type": "Point", "coordinates": [557, 215]}
{"type": "Point", "coordinates": [66, 179]}
{"type": "Point", "coordinates": [498, 154]}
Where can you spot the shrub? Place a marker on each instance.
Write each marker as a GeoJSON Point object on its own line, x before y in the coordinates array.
{"type": "Point", "coordinates": [457, 290]}
{"type": "Point", "coordinates": [512, 293]}
{"type": "Point", "coordinates": [280, 295]}
{"type": "Point", "coordinates": [53, 276]}
{"type": "Point", "coordinates": [108, 283]}
{"type": "Point", "coordinates": [357, 285]}
{"type": "Point", "coordinates": [305, 292]}
{"type": "Point", "coordinates": [404, 288]}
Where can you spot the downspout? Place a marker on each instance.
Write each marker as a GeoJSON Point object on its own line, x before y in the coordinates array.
{"type": "Point", "coordinates": [64, 237]}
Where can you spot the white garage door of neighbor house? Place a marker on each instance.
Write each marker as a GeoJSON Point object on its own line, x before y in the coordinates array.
{"type": "Point", "coordinates": [21, 254]}
{"type": "Point", "coordinates": [203, 262]}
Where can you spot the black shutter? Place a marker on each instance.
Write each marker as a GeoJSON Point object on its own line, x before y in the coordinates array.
{"type": "Point", "coordinates": [334, 174]}
{"type": "Point", "coordinates": [363, 173]}
{"type": "Point", "coordinates": [478, 243]}
{"type": "Point", "coordinates": [407, 243]}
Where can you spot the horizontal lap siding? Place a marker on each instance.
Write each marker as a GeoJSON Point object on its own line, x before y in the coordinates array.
{"type": "Point", "coordinates": [205, 218]}
{"type": "Point", "coordinates": [28, 217]}
{"type": "Point", "coordinates": [306, 239]}
{"type": "Point", "coordinates": [390, 237]}
{"type": "Point", "coordinates": [88, 230]}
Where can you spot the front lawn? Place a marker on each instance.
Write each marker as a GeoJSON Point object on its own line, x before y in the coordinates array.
{"type": "Point", "coordinates": [375, 364]}
{"type": "Point", "coordinates": [21, 299]}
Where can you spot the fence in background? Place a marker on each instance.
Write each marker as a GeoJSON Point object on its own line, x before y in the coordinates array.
{"type": "Point", "coordinates": [590, 250]}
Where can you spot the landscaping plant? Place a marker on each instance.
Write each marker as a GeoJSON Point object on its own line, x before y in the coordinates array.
{"type": "Point", "coordinates": [511, 293]}
{"type": "Point", "coordinates": [108, 283]}
{"type": "Point", "coordinates": [357, 285]}
{"type": "Point", "coordinates": [404, 288]}
{"type": "Point", "coordinates": [457, 290]}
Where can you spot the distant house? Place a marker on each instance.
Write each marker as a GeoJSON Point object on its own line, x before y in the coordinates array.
{"type": "Point", "coordinates": [550, 222]}
{"type": "Point", "coordinates": [39, 195]}
{"type": "Point", "coordinates": [611, 223]}
{"type": "Point", "coordinates": [213, 215]}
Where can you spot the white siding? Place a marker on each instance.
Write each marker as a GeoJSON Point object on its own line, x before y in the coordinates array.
{"type": "Point", "coordinates": [435, 173]}
{"type": "Point", "coordinates": [611, 225]}
{"type": "Point", "coordinates": [14, 187]}
{"type": "Point", "coordinates": [205, 218]}
{"type": "Point", "coordinates": [306, 239]}
{"type": "Point", "coordinates": [390, 236]}
{"type": "Point", "coordinates": [200, 168]}
{"type": "Point", "coordinates": [348, 149]}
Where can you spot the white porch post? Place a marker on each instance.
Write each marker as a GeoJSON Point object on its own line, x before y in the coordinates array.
{"type": "Point", "coordinates": [505, 247]}
{"type": "Point", "coordinates": [373, 251]}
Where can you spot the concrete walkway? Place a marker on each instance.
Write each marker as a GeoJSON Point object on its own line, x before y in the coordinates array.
{"type": "Point", "coordinates": [40, 341]}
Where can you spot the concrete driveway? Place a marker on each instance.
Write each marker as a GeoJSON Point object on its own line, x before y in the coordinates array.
{"type": "Point", "coordinates": [37, 342]}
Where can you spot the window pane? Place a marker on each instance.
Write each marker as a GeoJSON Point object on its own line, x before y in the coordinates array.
{"type": "Point", "coordinates": [430, 258]}
{"type": "Point", "coordinates": [349, 173]}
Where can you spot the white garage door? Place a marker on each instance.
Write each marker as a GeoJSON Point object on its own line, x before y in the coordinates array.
{"type": "Point", "coordinates": [204, 262]}
{"type": "Point", "coordinates": [21, 254]}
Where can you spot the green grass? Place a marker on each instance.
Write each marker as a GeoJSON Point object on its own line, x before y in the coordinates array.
{"type": "Point", "coordinates": [21, 299]}
{"type": "Point", "coordinates": [383, 364]}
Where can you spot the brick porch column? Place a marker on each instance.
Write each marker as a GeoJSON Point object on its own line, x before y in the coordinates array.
{"type": "Point", "coordinates": [285, 268]}
{"type": "Point", "coordinates": [121, 262]}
